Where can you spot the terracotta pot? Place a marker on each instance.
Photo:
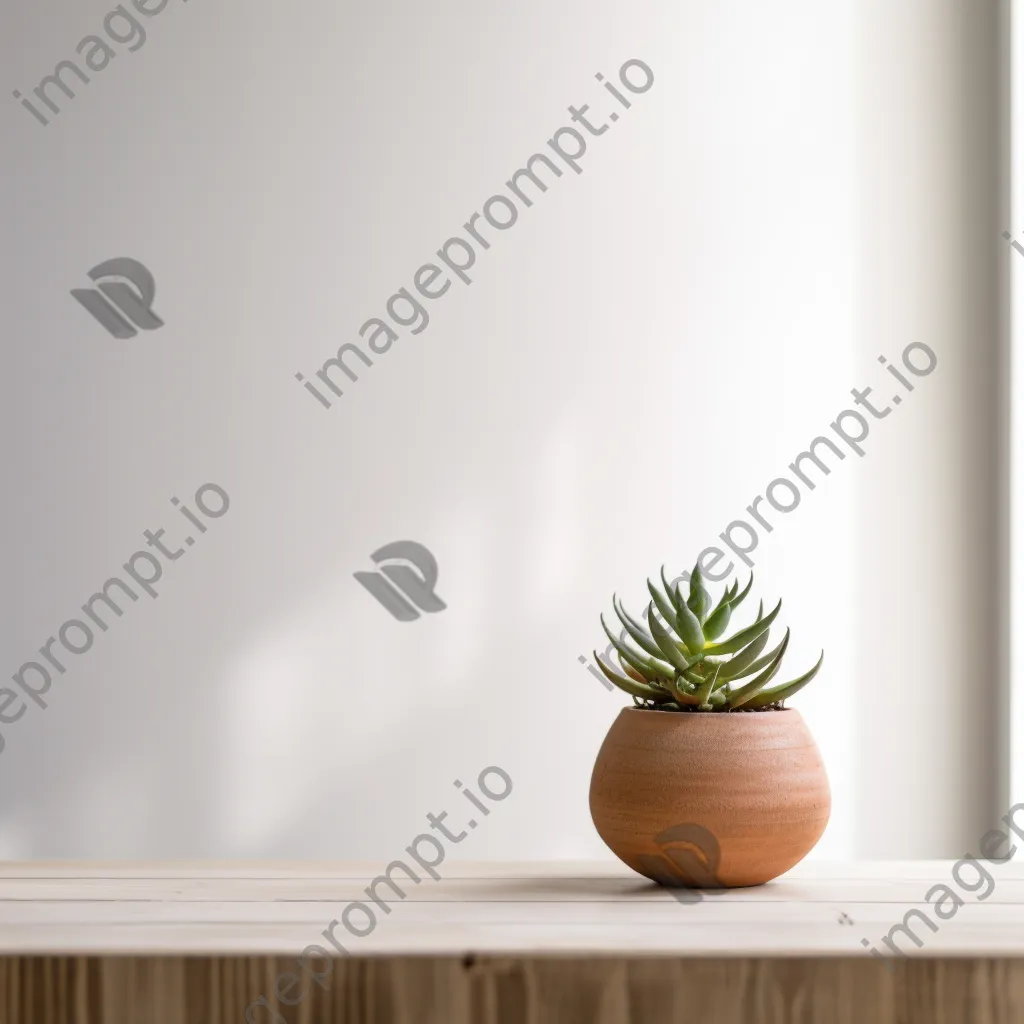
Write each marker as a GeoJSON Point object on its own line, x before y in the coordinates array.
{"type": "Point", "coordinates": [709, 800]}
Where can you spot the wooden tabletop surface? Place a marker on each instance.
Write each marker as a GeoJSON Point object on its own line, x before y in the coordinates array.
{"type": "Point", "coordinates": [517, 909]}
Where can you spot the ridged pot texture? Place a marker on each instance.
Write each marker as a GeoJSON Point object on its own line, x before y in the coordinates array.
{"type": "Point", "coordinates": [709, 800]}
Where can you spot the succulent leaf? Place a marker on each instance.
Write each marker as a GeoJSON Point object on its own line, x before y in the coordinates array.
{"type": "Point", "coordinates": [717, 621]}
{"type": "Point", "coordinates": [665, 606]}
{"type": "Point", "coordinates": [737, 599]}
{"type": "Point", "coordinates": [740, 640]}
{"type": "Point", "coordinates": [688, 627]}
{"type": "Point", "coordinates": [664, 639]}
{"type": "Point", "coordinates": [781, 691]}
{"type": "Point", "coordinates": [669, 587]}
{"type": "Point", "coordinates": [649, 668]}
{"type": "Point", "coordinates": [726, 598]}
{"type": "Point", "coordinates": [652, 671]}
{"type": "Point", "coordinates": [761, 662]}
{"type": "Point", "coordinates": [684, 693]}
{"type": "Point", "coordinates": [744, 693]}
{"type": "Point", "coordinates": [707, 688]}
{"type": "Point", "coordinates": [675, 594]}
{"type": "Point", "coordinates": [742, 663]}
{"type": "Point", "coordinates": [671, 657]}
{"type": "Point", "coordinates": [635, 630]}
{"type": "Point", "coordinates": [629, 670]}
{"type": "Point", "coordinates": [700, 600]}
{"type": "Point", "coordinates": [693, 678]}
{"type": "Point", "coordinates": [629, 685]}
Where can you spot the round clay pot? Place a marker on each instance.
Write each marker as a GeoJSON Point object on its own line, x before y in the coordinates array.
{"type": "Point", "coordinates": [709, 800]}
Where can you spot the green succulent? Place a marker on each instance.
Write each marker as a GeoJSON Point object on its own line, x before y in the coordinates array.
{"type": "Point", "coordinates": [677, 662]}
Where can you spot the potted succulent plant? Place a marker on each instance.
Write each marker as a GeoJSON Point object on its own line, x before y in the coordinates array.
{"type": "Point", "coordinates": [708, 781]}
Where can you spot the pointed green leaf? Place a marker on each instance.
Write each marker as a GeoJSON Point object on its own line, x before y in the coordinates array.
{"type": "Point", "coordinates": [629, 670]}
{"type": "Point", "coordinates": [692, 660]}
{"type": "Point", "coordinates": [737, 599]}
{"type": "Point", "coordinates": [688, 627]}
{"type": "Point", "coordinates": [725, 599]}
{"type": "Point", "coordinates": [744, 693]}
{"type": "Point", "coordinates": [631, 686]}
{"type": "Point", "coordinates": [665, 606]}
{"type": "Point", "coordinates": [718, 621]}
{"type": "Point", "coordinates": [666, 641]}
{"type": "Point", "coordinates": [650, 669]}
{"type": "Point", "coordinates": [669, 587]}
{"type": "Point", "coordinates": [700, 600]}
{"type": "Point", "coordinates": [635, 630]}
{"type": "Point", "coordinates": [674, 591]}
{"type": "Point", "coordinates": [736, 668]}
{"type": "Point", "coordinates": [756, 666]}
{"type": "Point", "coordinates": [740, 640]}
{"type": "Point", "coordinates": [684, 692]}
{"type": "Point", "coordinates": [782, 691]}
{"type": "Point", "coordinates": [707, 688]}
{"type": "Point", "coordinates": [692, 677]}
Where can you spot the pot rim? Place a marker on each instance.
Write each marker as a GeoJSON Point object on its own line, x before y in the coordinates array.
{"type": "Point", "coordinates": [673, 715]}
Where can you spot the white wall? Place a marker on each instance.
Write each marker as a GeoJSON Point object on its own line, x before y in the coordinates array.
{"type": "Point", "coordinates": [649, 346]}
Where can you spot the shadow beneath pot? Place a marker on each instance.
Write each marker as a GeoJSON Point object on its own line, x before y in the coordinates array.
{"type": "Point", "coordinates": [687, 863]}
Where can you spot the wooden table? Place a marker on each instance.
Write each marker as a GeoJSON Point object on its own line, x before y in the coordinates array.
{"type": "Point", "coordinates": [557, 943]}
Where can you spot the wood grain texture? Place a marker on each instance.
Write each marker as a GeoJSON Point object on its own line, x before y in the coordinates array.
{"type": "Point", "coordinates": [568, 943]}
{"type": "Point", "coordinates": [505, 909]}
{"type": "Point", "coordinates": [516, 991]}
